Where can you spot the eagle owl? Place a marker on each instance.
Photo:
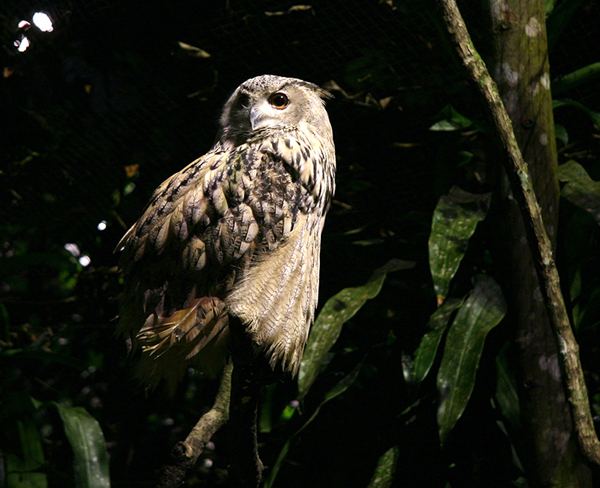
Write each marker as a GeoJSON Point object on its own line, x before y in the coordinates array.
{"type": "Point", "coordinates": [236, 233]}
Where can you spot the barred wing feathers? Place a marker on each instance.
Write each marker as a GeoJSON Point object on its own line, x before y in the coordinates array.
{"type": "Point", "coordinates": [236, 231]}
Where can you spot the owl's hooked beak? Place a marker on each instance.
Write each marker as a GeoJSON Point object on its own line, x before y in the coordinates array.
{"type": "Point", "coordinates": [259, 119]}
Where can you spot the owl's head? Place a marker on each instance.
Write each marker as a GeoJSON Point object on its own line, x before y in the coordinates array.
{"type": "Point", "coordinates": [270, 101]}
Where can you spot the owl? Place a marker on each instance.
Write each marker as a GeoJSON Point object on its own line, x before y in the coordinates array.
{"type": "Point", "coordinates": [236, 234]}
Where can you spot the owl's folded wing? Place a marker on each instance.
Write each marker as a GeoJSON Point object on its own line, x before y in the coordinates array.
{"type": "Point", "coordinates": [178, 260]}
{"type": "Point", "coordinates": [207, 228]}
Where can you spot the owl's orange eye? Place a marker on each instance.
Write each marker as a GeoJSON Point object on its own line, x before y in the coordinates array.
{"type": "Point", "coordinates": [279, 100]}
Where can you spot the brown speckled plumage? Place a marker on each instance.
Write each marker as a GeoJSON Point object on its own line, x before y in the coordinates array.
{"type": "Point", "coordinates": [237, 232]}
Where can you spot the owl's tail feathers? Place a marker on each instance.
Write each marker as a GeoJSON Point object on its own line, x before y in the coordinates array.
{"type": "Point", "coordinates": [193, 336]}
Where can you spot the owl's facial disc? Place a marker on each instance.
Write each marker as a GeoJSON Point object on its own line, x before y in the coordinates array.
{"type": "Point", "coordinates": [270, 111]}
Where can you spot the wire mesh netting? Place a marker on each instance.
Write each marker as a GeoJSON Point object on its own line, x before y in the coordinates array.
{"type": "Point", "coordinates": [111, 88]}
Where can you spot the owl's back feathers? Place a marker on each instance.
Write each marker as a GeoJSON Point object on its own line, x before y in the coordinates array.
{"type": "Point", "coordinates": [235, 232]}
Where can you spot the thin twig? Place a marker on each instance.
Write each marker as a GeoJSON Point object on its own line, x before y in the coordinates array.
{"type": "Point", "coordinates": [539, 243]}
{"type": "Point", "coordinates": [185, 454]}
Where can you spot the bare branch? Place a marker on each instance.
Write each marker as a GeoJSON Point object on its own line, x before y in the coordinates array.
{"type": "Point", "coordinates": [185, 454]}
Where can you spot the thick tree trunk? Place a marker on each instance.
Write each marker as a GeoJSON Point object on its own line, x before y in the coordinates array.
{"type": "Point", "coordinates": [521, 71]}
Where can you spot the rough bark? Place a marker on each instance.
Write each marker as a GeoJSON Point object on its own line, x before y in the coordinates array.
{"type": "Point", "coordinates": [521, 70]}
{"type": "Point", "coordinates": [547, 290]}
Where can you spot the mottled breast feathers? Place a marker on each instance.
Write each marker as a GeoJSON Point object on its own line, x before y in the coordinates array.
{"type": "Point", "coordinates": [236, 232]}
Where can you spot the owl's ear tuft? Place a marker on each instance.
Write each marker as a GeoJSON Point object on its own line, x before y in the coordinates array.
{"type": "Point", "coordinates": [324, 94]}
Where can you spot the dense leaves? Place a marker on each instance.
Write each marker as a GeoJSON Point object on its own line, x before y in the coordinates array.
{"type": "Point", "coordinates": [336, 311]}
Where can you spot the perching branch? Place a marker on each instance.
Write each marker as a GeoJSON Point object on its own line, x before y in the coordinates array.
{"type": "Point", "coordinates": [185, 454]}
{"type": "Point", "coordinates": [518, 175]}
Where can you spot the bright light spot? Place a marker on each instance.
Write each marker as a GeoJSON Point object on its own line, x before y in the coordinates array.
{"type": "Point", "coordinates": [43, 22]}
{"type": "Point", "coordinates": [102, 225]}
{"type": "Point", "coordinates": [23, 23]}
{"type": "Point", "coordinates": [208, 463]}
{"type": "Point", "coordinates": [84, 260]}
{"type": "Point", "coordinates": [22, 45]}
{"type": "Point", "coordinates": [73, 249]}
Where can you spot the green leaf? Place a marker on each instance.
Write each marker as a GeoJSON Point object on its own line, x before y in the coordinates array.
{"type": "Point", "coordinates": [427, 350]}
{"type": "Point", "coordinates": [464, 158]}
{"type": "Point", "coordinates": [561, 134]}
{"type": "Point", "coordinates": [506, 389]}
{"type": "Point", "coordinates": [595, 116]}
{"type": "Point", "coordinates": [580, 189]}
{"type": "Point", "coordinates": [337, 390]}
{"type": "Point", "coordinates": [385, 469]}
{"type": "Point", "coordinates": [266, 409]}
{"type": "Point", "coordinates": [21, 468]}
{"type": "Point", "coordinates": [454, 221]}
{"type": "Point", "coordinates": [576, 78]}
{"type": "Point", "coordinates": [451, 120]}
{"type": "Point", "coordinates": [482, 310]}
{"type": "Point", "coordinates": [549, 6]}
{"type": "Point", "coordinates": [15, 405]}
{"type": "Point", "coordinates": [338, 310]}
{"type": "Point", "coordinates": [89, 448]}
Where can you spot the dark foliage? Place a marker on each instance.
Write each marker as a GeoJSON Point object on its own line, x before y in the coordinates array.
{"type": "Point", "coordinates": [101, 110]}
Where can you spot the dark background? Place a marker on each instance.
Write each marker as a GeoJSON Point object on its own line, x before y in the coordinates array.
{"type": "Point", "coordinates": [97, 113]}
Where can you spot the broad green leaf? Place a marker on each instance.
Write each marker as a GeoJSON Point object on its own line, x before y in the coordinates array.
{"type": "Point", "coordinates": [21, 469]}
{"type": "Point", "coordinates": [427, 350]}
{"type": "Point", "coordinates": [337, 390]}
{"type": "Point", "coordinates": [561, 134]}
{"type": "Point", "coordinates": [575, 78]}
{"type": "Point", "coordinates": [454, 221]}
{"type": "Point", "coordinates": [595, 116]}
{"type": "Point", "coordinates": [580, 189]}
{"type": "Point", "coordinates": [464, 158]}
{"type": "Point", "coordinates": [482, 310]}
{"type": "Point", "coordinates": [338, 310]}
{"type": "Point", "coordinates": [89, 448]}
{"type": "Point", "coordinates": [506, 389]}
{"type": "Point", "coordinates": [385, 469]}
{"type": "Point", "coordinates": [450, 120]}
{"type": "Point", "coordinates": [15, 405]}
